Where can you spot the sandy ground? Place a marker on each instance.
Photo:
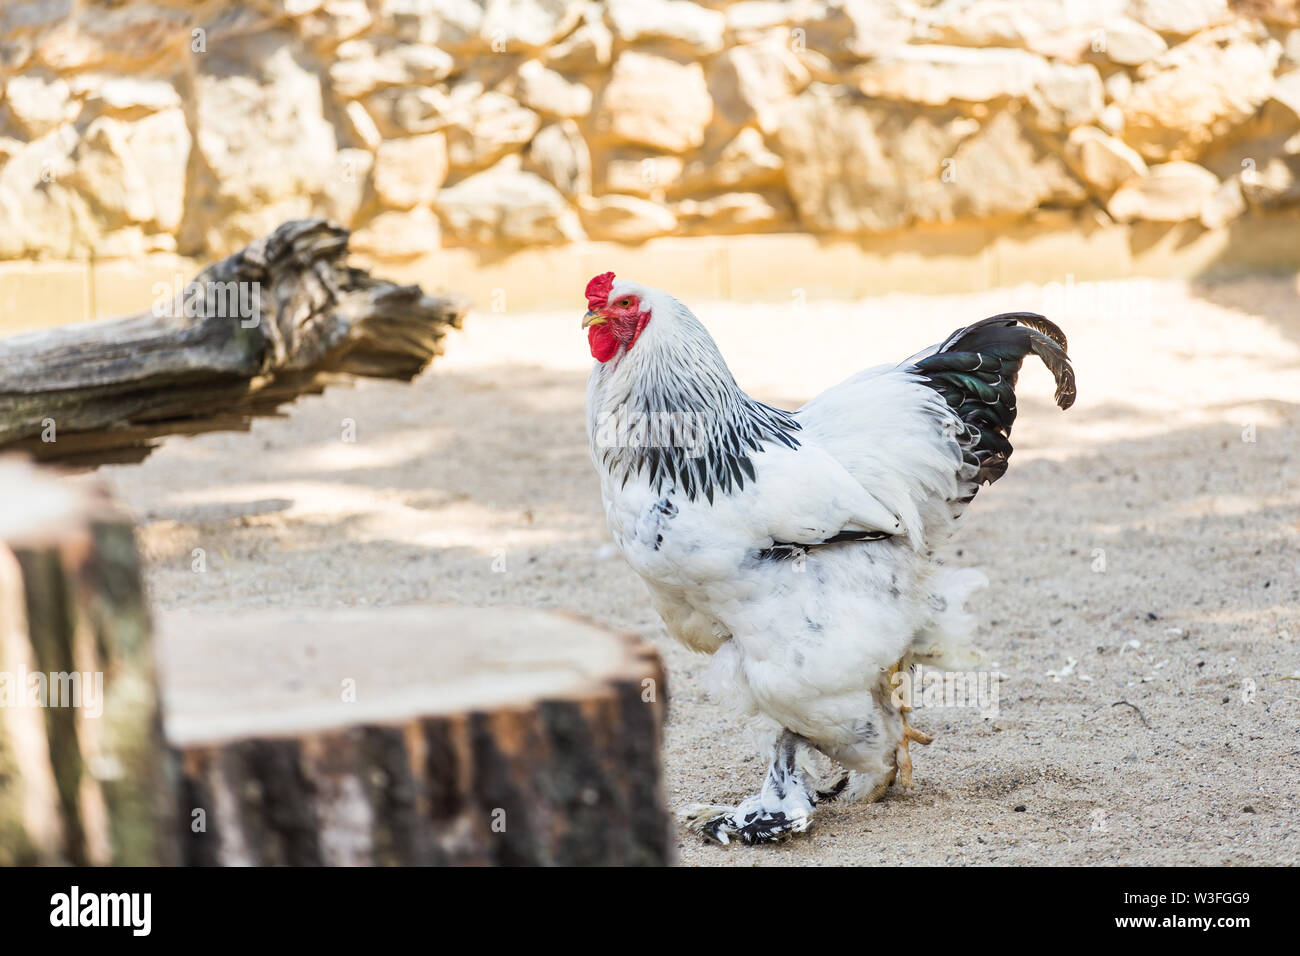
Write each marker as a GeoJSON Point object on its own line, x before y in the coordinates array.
{"type": "Point", "coordinates": [1171, 738]}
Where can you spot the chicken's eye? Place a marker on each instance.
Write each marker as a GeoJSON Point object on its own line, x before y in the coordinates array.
{"type": "Point", "coordinates": [624, 302]}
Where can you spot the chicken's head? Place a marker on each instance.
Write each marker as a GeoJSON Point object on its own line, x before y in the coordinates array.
{"type": "Point", "coordinates": [614, 319]}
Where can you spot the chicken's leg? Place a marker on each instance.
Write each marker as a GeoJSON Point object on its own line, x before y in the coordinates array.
{"type": "Point", "coordinates": [782, 809]}
{"type": "Point", "coordinates": [902, 758]}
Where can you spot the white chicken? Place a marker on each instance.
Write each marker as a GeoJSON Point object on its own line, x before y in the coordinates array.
{"type": "Point", "coordinates": [798, 547]}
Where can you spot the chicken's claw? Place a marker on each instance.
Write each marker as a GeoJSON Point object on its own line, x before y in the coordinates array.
{"type": "Point", "coordinates": [903, 759]}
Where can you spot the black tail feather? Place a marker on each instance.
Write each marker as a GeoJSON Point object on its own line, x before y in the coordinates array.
{"type": "Point", "coordinates": [975, 370]}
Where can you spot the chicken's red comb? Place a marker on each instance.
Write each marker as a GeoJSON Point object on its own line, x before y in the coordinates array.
{"type": "Point", "coordinates": [598, 290]}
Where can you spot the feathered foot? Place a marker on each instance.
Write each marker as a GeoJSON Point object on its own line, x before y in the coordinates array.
{"type": "Point", "coordinates": [827, 790]}
{"type": "Point", "coordinates": [748, 823]}
{"type": "Point", "coordinates": [782, 809]}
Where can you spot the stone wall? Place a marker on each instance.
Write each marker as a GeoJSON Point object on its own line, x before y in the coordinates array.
{"type": "Point", "coordinates": [129, 127]}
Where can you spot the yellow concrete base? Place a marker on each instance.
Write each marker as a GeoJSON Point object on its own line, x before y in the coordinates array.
{"type": "Point", "coordinates": [1052, 247]}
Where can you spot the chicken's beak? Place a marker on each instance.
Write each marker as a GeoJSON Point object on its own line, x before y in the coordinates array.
{"type": "Point", "coordinates": [592, 318]}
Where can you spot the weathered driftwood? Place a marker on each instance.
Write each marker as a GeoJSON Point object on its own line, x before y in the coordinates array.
{"type": "Point", "coordinates": [413, 735]}
{"type": "Point", "coordinates": [250, 333]}
{"type": "Point", "coordinates": [84, 776]}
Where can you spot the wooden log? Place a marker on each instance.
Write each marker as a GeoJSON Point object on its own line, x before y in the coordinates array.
{"type": "Point", "coordinates": [413, 736]}
{"type": "Point", "coordinates": [84, 776]}
{"type": "Point", "coordinates": [277, 320]}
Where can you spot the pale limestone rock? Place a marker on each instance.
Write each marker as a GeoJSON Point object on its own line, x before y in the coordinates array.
{"type": "Point", "coordinates": [359, 126]}
{"type": "Point", "coordinates": [645, 175]}
{"type": "Point", "coordinates": [26, 16]}
{"type": "Point", "coordinates": [39, 216]}
{"type": "Point", "coordinates": [1129, 43]}
{"type": "Point", "coordinates": [509, 25]}
{"type": "Point", "coordinates": [1112, 120]}
{"type": "Point", "coordinates": [124, 94]}
{"type": "Point", "coordinates": [743, 163]}
{"type": "Point", "coordinates": [559, 154]}
{"type": "Point", "coordinates": [242, 226]}
{"type": "Point", "coordinates": [656, 102]}
{"type": "Point", "coordinates": [453, 25]}
{"type": "Point", "coordinates": [1274, 186]}
{"type": "Point", "coordinates": [1273, 131]}
{"type": "Point", "coordinates": [828, 138]}
{"type": "Point", "coordinates": [505, 204]}
{"type": "Point", "coordinates": [35, 104]}
{"type": "Point", "coordinates": [160, 242]}
{"type": "Point", "coordinates": [686, 26]}
{"type": "Point", "coordinates": [123, 242]}
{"type": "Point", "coordinates": [15, 52]}
{"type": "Point", "coordinates": [121, 37]}
{"type": "Point", "coordinates": [920, 166]}
{"type": "Point", "coordinates": [1224, 206]}
{"type": "Point", "coordinates": [1170, 192]}
{"type": "Point", "coordinates": [345, 192]}
{"type": "Point", "coordinates": [105, 172]}
{"type": "Point", "coordinates": [224, 30]}
{"type": "Point", "coordinates": [488, 127]}
{"type": "Point", "coordinates": [1180, 17]}
{"type": "Point", "coordinates": [1066, 96]}
{"type": "Point", "coordinates": [1290, 49]}
{"type": "Point", "coordinates": [546, 91]}
{"type": "Point", "coordinates": [406, 110]}
{"type": "Point", "coordinates": [1196, 92]}
{"type": "Point", "coordinates": [625, 218]}
{"type": "Point", "coordinates": [335, 21]}
{"type": "Point", "coordinates": [936, 75]}
{"type": "Point", "coordinates": [161, 143]}
{"type": "Point", "coordinates": [1283, 13]}
{"type": "Point", "coordinates": [1118, 86]}
{"type": "Point", "coordinates": [289, 8]}
{"type": "Point", "coordinates": [754, 16]}
{"type": "Point", "coordinates": [735, 212]}
{"type": "Point", "coordinates": [588, 48]}
{"type": "Point", "coordinates": [848, 30]}
{"type": "Point", "coordinates": [408, 172]}
{"type": "Point", "coordinates": [395, 234]}
{"type": "Point", "coordinates": [252, 182]}
{"type": "Point", "coordinates": [363, 65]}
{"type": "Point", "coordinates": [1000, 171]}
{"type": "Point", "coordinates": [1103, 162]}
{"type": "Point", "coordinates": [1026, 24]}
{"type": "Point", "coordinates": [754, 80]}
{"type": "Point", "coordinates": [819, 67]}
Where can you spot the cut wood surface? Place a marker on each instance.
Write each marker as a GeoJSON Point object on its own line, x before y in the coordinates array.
{"type": "Point", "coordinates": [282, 318]}
{"type": "Point", "coordinates": [414, 735]}
{"type": "Point", "coordinates": [83, 771]}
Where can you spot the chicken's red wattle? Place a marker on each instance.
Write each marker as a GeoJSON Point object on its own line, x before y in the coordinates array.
{"type": "Point", "coordinates": [603, 342]}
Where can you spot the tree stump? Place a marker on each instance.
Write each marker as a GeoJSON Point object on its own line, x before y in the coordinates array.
{"type": "Point", "coordinates": [282, 318]}
{"type": "Point", "coordinates": [83, 772]}
{"type": "Point", "coordinates": [413, 735]}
